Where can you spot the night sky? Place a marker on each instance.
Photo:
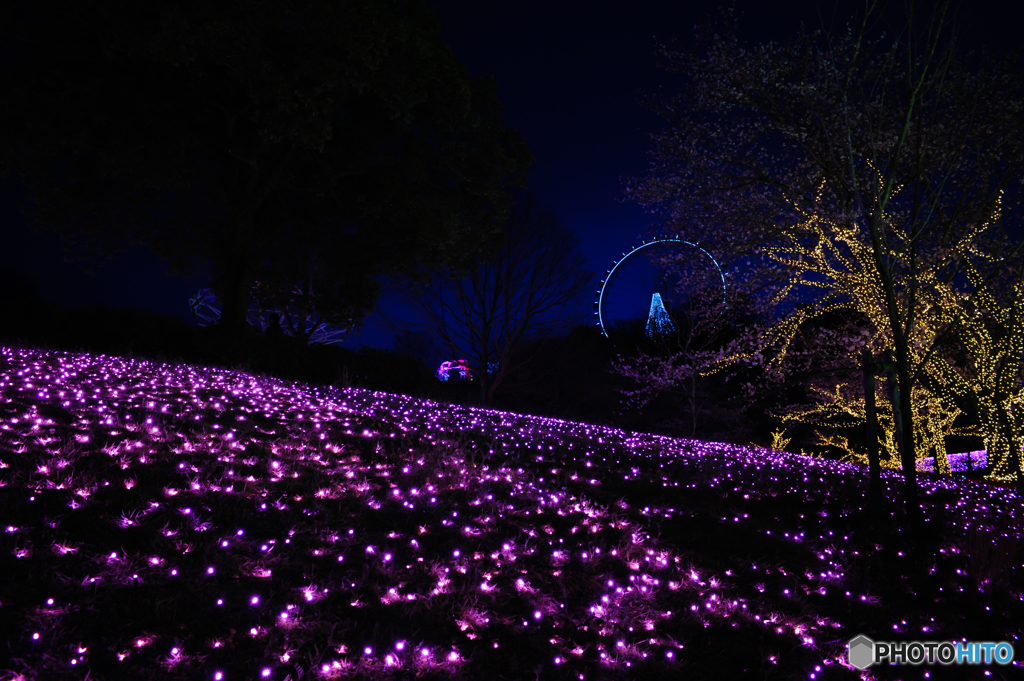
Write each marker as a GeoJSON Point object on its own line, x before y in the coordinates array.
{"type": "Point", "coordinates": [570, 76]}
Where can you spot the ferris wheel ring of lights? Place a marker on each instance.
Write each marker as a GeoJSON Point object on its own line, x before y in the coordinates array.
{"type": "Point", "coordinates": [600, 303]}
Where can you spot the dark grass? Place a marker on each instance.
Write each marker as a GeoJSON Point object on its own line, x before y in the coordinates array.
{"type": "Point", "coordinates": [767, 562]}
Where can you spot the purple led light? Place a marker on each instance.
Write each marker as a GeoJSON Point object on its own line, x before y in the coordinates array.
{"type": "Point", "coordinates": [524, 505]}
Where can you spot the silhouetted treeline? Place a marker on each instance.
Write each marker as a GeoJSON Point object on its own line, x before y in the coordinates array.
{"type": "Point", "coordinates": [30, 320]}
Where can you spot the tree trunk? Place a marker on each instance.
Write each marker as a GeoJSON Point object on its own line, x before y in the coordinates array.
{"type": "Point", "coordinates": [236, 279]}
{"type": "Point", "coordinates": [306, 313]}
{"type": "Point", "coordinates": [496, 380]}
{"type": "Point", "coordinates": [237, 292]}
{"type": "Point", "coordinates": [1005, 424]}
{"type": "Point", "coordinates": [871, 415]}
{"type": "Point", "coordinates": [693, 404]}
{"type": "Point", "coordinates": [1020, 473]}
{"type": "Point", "coordinates": [906, 442]}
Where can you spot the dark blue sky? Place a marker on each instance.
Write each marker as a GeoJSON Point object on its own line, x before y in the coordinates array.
{"type": "Point", "coordinates": [570, 76]}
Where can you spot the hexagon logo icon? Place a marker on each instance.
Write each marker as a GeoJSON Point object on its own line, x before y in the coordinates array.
{"type": "Point", "coordinates": [861, 652]}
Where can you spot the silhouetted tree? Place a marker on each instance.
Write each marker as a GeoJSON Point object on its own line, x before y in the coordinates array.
{"type": "Point", "coordinates": [533, 286]}
{"type": "Point", "coordinates": [310, 277]}
{"type": "Point", "coordinates": [203, 128]}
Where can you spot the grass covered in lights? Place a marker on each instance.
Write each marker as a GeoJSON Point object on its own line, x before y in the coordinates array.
{"type": "Point", "coordinates": [165, 521]}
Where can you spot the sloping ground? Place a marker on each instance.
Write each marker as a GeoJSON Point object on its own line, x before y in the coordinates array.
{"type": "Point", "coordinates": [176, 522]}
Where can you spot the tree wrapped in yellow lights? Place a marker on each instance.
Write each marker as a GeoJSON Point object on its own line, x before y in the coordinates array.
{"type": "Point", "coordinates": [935, 422]}
{"type": "Point", "coordinates": [914, 143]}
{"type": "Point", "coordinates": [830, 256]}
{"type": "Point", "coordinates": [993, 336]}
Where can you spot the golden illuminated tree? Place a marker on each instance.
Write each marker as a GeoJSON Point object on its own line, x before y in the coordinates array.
{"type": "Point", "coordinates": [914, 145]}
{"type": "Point", "coordinates": [992, 334]}
{"type": "Point", "coordinates": [829, 256]}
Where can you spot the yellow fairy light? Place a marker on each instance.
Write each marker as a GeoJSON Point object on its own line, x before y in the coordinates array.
{"type": "Point", "coordinates": [833, 257]}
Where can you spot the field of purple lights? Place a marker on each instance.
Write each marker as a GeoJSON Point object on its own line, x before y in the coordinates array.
{"type": "Point", "coordinates": [165, 521]}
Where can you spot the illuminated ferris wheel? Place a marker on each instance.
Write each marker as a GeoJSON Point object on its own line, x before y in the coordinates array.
{"type": "Point", "coordinates": [642, 284]}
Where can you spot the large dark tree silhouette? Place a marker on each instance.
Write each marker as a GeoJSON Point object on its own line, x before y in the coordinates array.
{"type": "Point", "coordinates": [213, 130]}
